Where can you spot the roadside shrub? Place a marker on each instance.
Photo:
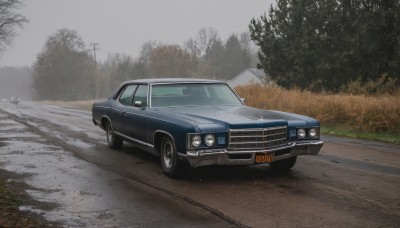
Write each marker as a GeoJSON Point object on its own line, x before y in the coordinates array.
{"type": "Point", "coordinates": [383, 85]}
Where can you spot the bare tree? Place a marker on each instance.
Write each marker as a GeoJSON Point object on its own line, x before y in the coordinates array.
{"type": "Point", "coordinates": [170, 61]}
{"type": "Point", "coordinates": [147, 48]}
{"type": "Point", "coordinates": [9, 20]}
{"type": "Point", "coordinates": [206, 38]}
{"type": "Point", "coordinates": [192, 46]}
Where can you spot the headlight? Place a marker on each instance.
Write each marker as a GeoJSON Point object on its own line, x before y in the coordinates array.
{"type": "Point", "coordinates": [209, 139]}
{"type": "Point", "coordinates": [312, 132]}
{"type": "Point", "coordinates": [196, 140]}
{"type": "Point", "coordinates": [301, 133]}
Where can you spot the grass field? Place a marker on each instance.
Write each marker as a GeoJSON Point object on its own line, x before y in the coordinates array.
{"type": "Point", "coordinates": [370, 117]}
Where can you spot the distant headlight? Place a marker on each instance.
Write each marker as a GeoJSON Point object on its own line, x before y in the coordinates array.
{"type": "Point", "coordinates": [312, 132]}
{"type": "Point", "coordinates": [196, 140]}
{"type": "Point", "coordinates": [209, 139]}
{"type": "Point", "coordinates": [301, 133]}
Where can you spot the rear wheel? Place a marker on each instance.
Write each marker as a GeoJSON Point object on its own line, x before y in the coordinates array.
{"type": "Point", "coordinates": [284, 164]}
{"type": "Point", "coordinates": [113, 140]}
{"type": "Point", "coordinates": [170, 162]}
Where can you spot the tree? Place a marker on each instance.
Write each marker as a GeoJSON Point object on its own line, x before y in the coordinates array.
{"type": "Point", "coordinates": [9, 20]}
{"type": "Point", "coordinates": [192, 47]}
{"type": "Point", "coordinates": [237, 58]}
{"type": "Point", "coordinates": [119, 68]}
{"type": "Point", "coordinates": [227, 60]}
{"type": "Point", "coordinates": [206, 38]}
{"type": "Point", "coordinates": [324, 44]}
{"type": "Point", "coordinates": [249, 49]}
{"type": "Point", "coordinates": [170, 61]}
{"type": "Point", "coordinates": [147, 48]}
{"type": "Point", "coordinates": [64, 70]}
{"type": "Point", "coordinates": [215, 60]}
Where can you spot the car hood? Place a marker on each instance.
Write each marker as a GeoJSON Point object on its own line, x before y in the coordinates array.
{"type": "Point", "coordinates": [237, 117]}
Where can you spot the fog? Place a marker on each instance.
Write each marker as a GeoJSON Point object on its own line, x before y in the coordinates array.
{"type": "Point", "coordinates": [123, 26]}
{"type": "Point", "coordinates": [15, 81]}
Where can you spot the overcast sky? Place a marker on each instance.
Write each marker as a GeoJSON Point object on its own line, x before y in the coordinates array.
{"type": "Point", "coordinates": [122, 26]}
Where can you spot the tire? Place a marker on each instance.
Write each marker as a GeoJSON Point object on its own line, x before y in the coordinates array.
{"type": "Point", "coordinates": [283, 165]}
{"type": "Point", "coordinates": [170, 162]}
{"type": "Point", "coordinates": [113, 141]}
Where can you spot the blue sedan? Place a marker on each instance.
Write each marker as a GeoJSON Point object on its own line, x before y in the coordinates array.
{"type": "Point", "coordinates": [202, 122]}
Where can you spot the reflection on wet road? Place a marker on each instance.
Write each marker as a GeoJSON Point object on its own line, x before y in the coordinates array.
{"type": "Point", "coordinates": [64, 157]}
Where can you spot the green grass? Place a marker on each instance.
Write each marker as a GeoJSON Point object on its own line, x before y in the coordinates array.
{"type": "Point", "coordinates": [346, 131]}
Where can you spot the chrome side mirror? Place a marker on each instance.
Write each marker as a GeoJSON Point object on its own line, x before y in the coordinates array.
{"type": "Point", "coordinates": [243, 99]}
{"type": "Point", "coordinates": [138, 104]}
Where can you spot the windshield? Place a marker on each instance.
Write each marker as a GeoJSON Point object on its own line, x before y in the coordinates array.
{"type": "Point", "coordinates": [198, 94]}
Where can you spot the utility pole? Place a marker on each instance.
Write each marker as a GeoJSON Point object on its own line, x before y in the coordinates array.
{"type": "Point", "coordinates": [95, 68]}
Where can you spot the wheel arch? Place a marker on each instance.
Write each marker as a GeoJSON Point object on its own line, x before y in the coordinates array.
{"type": "Point", "coordinates": [157, 137]}
{"type": "Point", "coordinates": [104, 120]}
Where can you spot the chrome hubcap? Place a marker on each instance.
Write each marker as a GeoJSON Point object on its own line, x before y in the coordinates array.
{"type": "Point", "coordinates": [109, 133]}
{"type": "Point", "coordinates": [167, 155]}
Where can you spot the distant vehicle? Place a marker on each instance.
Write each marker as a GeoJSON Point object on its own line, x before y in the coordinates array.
{"type": "Point", "coordinates": [203, 122]}
{"type": "Point", "coordinates": [14, 100]}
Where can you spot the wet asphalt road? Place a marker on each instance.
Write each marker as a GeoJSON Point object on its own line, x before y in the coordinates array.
{"type": "Point", "coordinates": [65, 159]}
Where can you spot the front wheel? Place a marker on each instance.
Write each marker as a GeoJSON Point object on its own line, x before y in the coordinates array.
{"type": "Point", "coordinates": [283, 165]}
{"type": "Point", "coordinates": [113, 140]}
{"type": "Point", "coordinates": [170, 162]}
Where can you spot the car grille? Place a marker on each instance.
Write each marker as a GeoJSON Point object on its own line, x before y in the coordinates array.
{"type": "Point", "coordinates": [267, 138]}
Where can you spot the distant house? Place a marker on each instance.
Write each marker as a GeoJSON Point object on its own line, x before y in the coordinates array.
{"type": "Point", "coordinates": [249, 76]}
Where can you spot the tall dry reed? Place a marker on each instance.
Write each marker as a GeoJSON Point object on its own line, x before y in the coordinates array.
{"type": "Point", "coordinates": [369, 113]}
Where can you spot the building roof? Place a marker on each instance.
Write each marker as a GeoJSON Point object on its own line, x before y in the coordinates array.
{"type": "Point", "coordinates": [257, 72]}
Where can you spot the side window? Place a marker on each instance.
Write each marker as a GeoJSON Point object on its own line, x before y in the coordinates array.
{"type": "Point", "coordinates": [126, 96]}
{"type": "Point", "coordinates": [141, 95]}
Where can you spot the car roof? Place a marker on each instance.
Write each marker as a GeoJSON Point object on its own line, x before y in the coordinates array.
{"type": "Point", "coordinates": [173, 80]}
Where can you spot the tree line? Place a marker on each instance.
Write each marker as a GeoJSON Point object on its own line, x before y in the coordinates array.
{"type": "Point", "coordinates": [324, 44]}
{"type": "Point", "coordinates": [65, 69]}
{"type": "Point", "coordinates": [320, 45]}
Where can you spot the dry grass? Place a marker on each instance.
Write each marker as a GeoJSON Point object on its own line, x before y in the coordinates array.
{"type": "Point", "coordinates": [82, 105]}
{"type": "Point", "coordinates": [366, 113]}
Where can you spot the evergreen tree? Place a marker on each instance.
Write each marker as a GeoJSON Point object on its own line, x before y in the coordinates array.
{"type": "Point", "coordinates": [324, 44]}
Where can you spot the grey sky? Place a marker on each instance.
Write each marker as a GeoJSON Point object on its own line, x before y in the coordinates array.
{"type": "Point", "coordinates": [122, 26]}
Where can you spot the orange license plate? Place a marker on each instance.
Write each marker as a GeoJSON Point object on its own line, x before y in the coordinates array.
{"type": "Point", "coordinates": [264, 158]}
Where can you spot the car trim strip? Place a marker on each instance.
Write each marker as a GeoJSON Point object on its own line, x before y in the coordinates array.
{"type": "Point", "coordinates": [134, 140]}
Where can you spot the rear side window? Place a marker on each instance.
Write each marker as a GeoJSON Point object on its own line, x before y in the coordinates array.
{"type": "Point", "coordinates": [126, 96]}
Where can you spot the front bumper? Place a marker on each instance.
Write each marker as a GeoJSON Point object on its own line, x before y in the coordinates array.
{"type": "Point", "coordinates": [198, 158]}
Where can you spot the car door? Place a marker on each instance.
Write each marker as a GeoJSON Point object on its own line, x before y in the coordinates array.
{"type": "Point", "coordinates": [135, 116]}
{"type": "Point", "coordinates": [123, 99]}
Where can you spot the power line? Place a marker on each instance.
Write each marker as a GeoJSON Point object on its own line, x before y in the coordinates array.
{"type": "Point", "coordinates": [95, 68]}
{"type": "Point", "coordinates": [94, 51]}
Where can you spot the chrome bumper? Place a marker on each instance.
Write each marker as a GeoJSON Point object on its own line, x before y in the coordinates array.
{"type": "Point", "coordinates": [198, 158]}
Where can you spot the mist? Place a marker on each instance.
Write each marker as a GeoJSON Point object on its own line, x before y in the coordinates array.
{"type": "Point", "coordinates": [123, 26]}
{"type": "Point", "coordinates": [16, 81]}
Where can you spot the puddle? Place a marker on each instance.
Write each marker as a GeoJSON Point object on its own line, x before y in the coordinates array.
{"type": "Point", "coordinates": [56, 177]}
